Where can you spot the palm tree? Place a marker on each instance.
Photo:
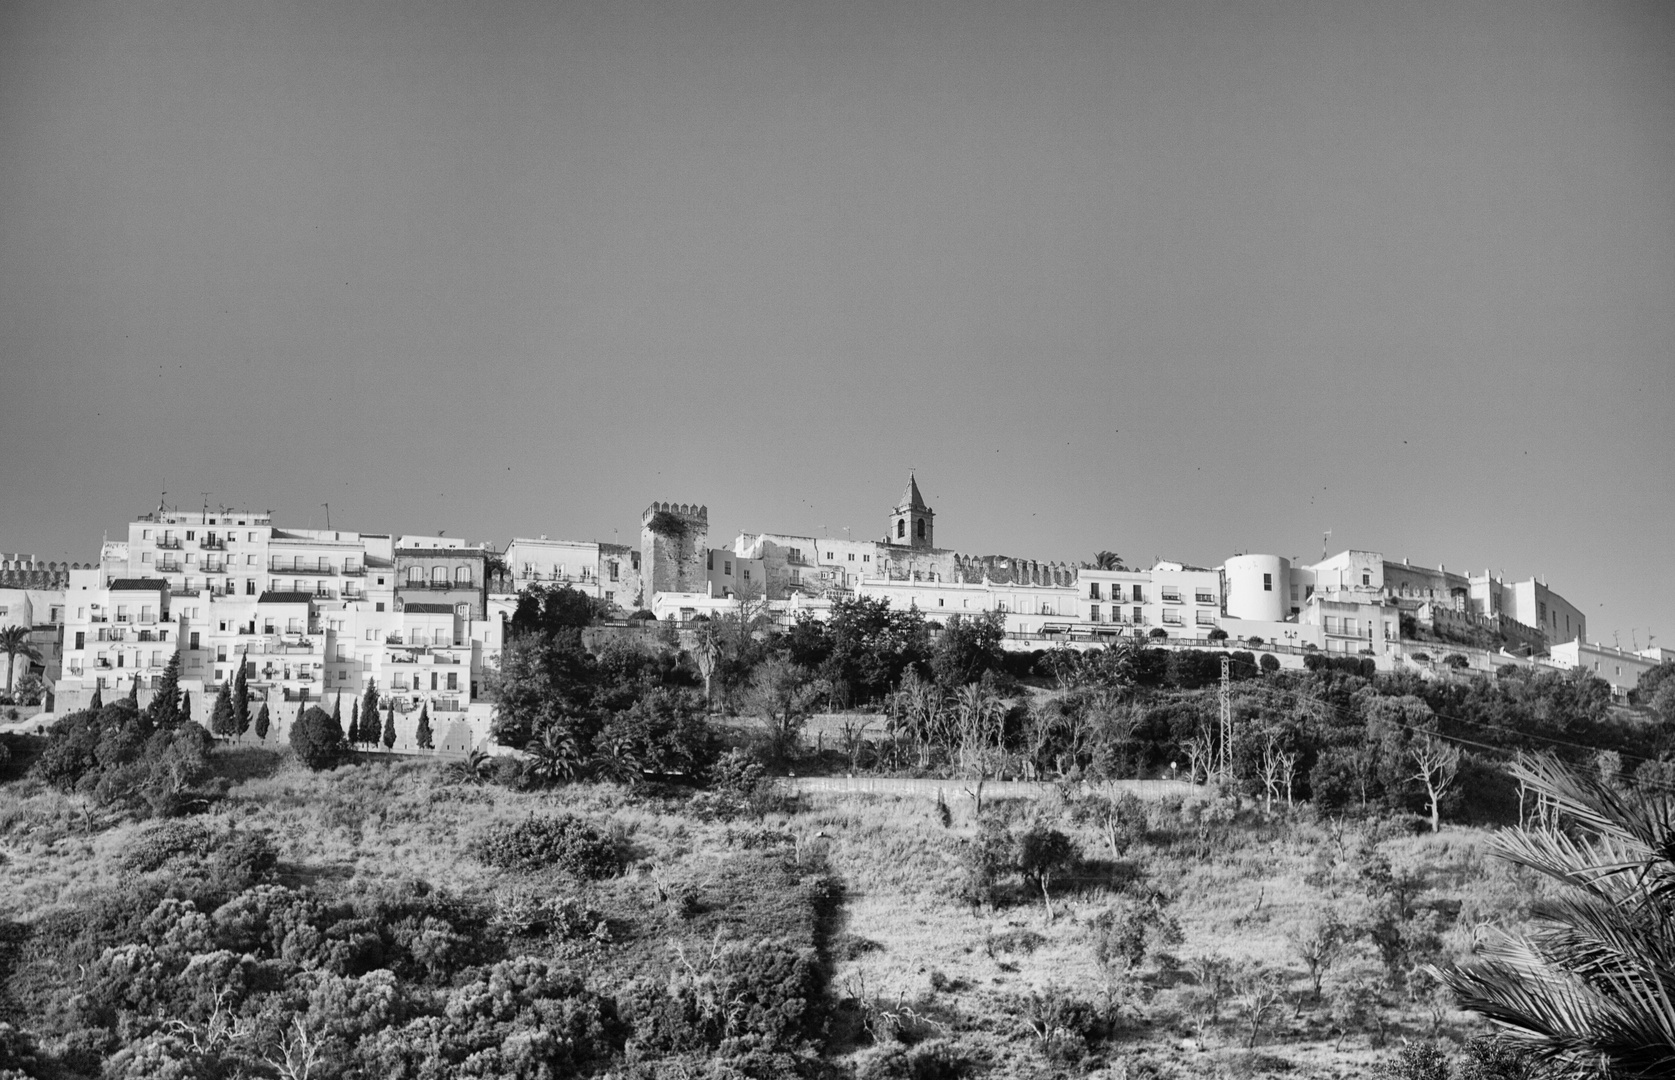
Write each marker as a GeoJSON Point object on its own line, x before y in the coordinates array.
{"type": "Point", "coordinates": [1592, 991]}
{"type": "Point", "coordinates": [555, 755]}
{"type": "Point", "coordinates": [14, 641]}
{"type": "Point", "coordinates": [1108, 560]}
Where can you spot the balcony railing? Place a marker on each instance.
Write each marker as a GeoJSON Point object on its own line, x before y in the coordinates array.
{"type": "Point", "coordinates": [354, 571]}
{"type": "Point", "coordinates": [1171, 598]}
{"type": "Point", "coordinates": [169, 567]}
{"type": "Point", "coordinates": [1205, 598]}
{"type": "Point", "coordinates": [169, 543]}
{"type": "Point", "coordinates": [213, 568]}
{"type": "Point", "coordinates": [275, 568]}
{"type": "Point", "coordinates": [443, 585]}
{"type": "Point", "coordinates": [209, 544]}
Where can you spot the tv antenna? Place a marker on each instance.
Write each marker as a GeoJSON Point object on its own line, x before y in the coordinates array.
{"type": "Point", "coordinates": [206, 505]}
{"type": "Point", "coordinates": [1324, 540]}
{"type": "Point", "coordinates": [328, 507]}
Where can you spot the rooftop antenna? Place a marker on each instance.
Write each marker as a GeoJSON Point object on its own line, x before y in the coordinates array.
{"type": "Point", "coordinates": [161, 501]}
{"type": "Point", "coordinates": [206, 506]}
{"type": "Point", "coordinates": [1634, 636]}
{"type": "Point", "coordinates": [328, 507]}
{"type": "Point", "coordinates": [1323, 541]}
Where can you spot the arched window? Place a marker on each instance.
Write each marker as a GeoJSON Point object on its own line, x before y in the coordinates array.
{"type": "Point", "coordinates": [901, 528]}
{"type": "Point", "coordinates": [463, 575]}
{"type": "Point", "coordinates": [415, 575]}
{"type": "Point", "coordinates": [919, 527]}
{"type": "Point", "coordinates": [439, 575]}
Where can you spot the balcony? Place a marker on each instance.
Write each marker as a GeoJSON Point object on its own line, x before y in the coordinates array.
{"type": "Point", "coordinates": [354, 571]}
{"type": "Point", "coordinates": [1171, 597]}
{"type": "Point", "coordinates": [169, 568]}
{"type": "Point", "coordinates": [209, 544]}
{"type": "Point", "coordinates": [213, 568]}
{"type": "Point", "coordinates": [445, 586]}
{"type": "Point", "coordinates": [275, 568]}
{"type": "Point", "coordinates": [1205, 598]}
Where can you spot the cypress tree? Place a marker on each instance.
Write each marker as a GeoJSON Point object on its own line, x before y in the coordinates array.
{"type": "Point", "coordinates": [424, 737]}
{"type": "Point", "coordinates": [369, 710]}
{"type": "Point", "coordinates": [262, 722]}
{"type": "Point", "coordinates": [134, 693]}
{"type": "Point", "coordinates": [337, 709]}
{"type": "Point", "coordinates": [221, 720]}
{"type": "Point", "coordinates": [389, 728]}
{"type": "Point", "coordinates": [241, 698]}
{"type": "Point", "coordinates": [353, 734]}
{"type": "Point", "coordinates": [98, 701]}
{"type": "Point", "coordinates": [164, 709]}
{"type": "Point", "coordinates": [185, 706]}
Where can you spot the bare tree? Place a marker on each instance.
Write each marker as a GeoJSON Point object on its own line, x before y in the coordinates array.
{"type": "Point", "coordinates": [1270, 773]}
{"type": "Point", "coordinates": [1438, 763]}
{"type": "Point", "coordinates": [1319, 943]}
{"type": "Point", "coordinates": [1199, 754]}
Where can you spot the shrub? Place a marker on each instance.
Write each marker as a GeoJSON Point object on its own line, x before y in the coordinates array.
{"type": "Point", "coordinates": [1253, 641]}
{"type": "Point", "coordinates": [1417, 1061]}
{"type": "Point", "coordinates": [317, 739]}
{"type": "Point", "coordinates": [1270, 663]}
{"type": "Point", "coordinates": [936, 1059]}
{"type": "Point", "coordinates": [1158, 633]}
{"type": "Point", "coordinates": [1218, 634]}
{"type": "Point", "coordinates": [563, 840]}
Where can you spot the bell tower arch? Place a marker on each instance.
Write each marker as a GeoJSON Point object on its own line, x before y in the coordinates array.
{"type": "Point", "coordinates": [912, 522]}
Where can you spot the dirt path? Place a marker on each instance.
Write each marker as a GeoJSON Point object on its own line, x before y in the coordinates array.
{"type": "Point", "coordinates": [992, 789]}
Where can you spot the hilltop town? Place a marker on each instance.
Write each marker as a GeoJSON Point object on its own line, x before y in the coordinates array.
{"type": "Point", "coordinates": [321, 614]}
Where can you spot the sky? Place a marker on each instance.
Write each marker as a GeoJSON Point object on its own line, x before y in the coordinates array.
{"type": "Point", "coordinates": [1175, 280]}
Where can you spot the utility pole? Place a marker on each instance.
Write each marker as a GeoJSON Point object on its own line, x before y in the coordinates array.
{"type": "Point", "coordinates": [1226, 699]}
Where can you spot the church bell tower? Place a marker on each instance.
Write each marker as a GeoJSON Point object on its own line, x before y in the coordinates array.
{"type": "Point", "coordinates": [911, 523]}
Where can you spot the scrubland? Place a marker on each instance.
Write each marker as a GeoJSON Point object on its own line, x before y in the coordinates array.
{"type": "Point", "coordinates": [1170, 944]}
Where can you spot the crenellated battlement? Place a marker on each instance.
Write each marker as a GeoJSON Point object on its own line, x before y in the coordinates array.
{"type": "Point", "coordinates": [685, 510]}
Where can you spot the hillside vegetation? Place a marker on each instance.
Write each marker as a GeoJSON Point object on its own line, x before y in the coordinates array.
{"type": "Point", "coordinates": [632, 894]}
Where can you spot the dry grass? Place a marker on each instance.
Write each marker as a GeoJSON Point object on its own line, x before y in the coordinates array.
{"type": "Point", "coordinates": [907, 942]}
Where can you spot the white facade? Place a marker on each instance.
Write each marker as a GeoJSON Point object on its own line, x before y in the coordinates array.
{"type": "Point", "coordinates": [1619, 667]}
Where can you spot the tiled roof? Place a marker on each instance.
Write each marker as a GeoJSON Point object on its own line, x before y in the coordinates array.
{"type": "Point", "coordinates": [131, 584]}
{"type": "Point", "coordinates": [430, 609]}
{"type": "Point", "coordinates": [284, 598]}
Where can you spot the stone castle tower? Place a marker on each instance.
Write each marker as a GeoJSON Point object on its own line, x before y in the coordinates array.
{"type": "Point", "coordinates": [911, 522]}
{"type": "Point", "coordinates": [674, 543]}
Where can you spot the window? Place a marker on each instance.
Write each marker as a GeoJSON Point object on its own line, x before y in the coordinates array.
{"type": "Point", "coordinates": [610, 597]}
{"type": "Point", "coordinates": [453, 680]}
{"type": "Point", "coordinates": [1267, 583]}
{"type": "Point", "coordinates": [613, 566]}
{"type": "Point", "coordinates": [1206, 618]}
{"type": "Point", "coordinates": [415, 576]}
{"type": "Point", "coordinates": [379, 606]}
{"type": "Point", "coordinates": [250, 587]}
{"type": "Point", "coordinates": [122, 613]}
{"type": "Point", "coordinates": [145, 556]}
{"type": "Point", "coordinates": [1137, 596]}
{"type": "Point", "coordinates": [1352, 627]}
{"type": "Point", "coordinates": [380, 581]}
{"type": "Point", "coordinates": [432, 680]}
{"type": "Point", "coordinates": [901, 528]}
{"type": "Point", "coordinates": [866, 558]}
{"type": "Point", "coordinates": [919, 528]}
{"type": "Point", "coordinates": [1308, 591]}
{"type": "Point", "coordinates": [1137, 611]}
{"type": "Point", "coordinates": [1093, 592]}
{"type": "Point", "coordinates": [145, 534]}
{"type": "Point", "coordinates": [747, 575]}
{"type": "Point", "coordinates": [1171, 596]}
{"type": "Point", "coordinates": [1093, 612]}
{"type": "Point", "coordinates": [439, 575]}
{"type": "Point", "coordinates": [1366, 578]}
{"type": "Point", "coordinates": [727, 567]}
{"type": "Point", "coordinates": [1171, 616]}
{"type": "Point", "coordinates": [190, 535]}
{"type": "Point", "coordinates": [1204, 597]}
{"type": "Point", "coordinates": [851, 556]}
{"type": "Point", "coordinates": [1331, 624]}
